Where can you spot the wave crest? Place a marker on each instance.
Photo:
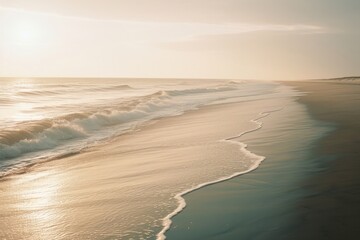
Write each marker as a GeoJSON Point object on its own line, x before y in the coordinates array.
{"type": "Point", "coordinates": [49, 133]}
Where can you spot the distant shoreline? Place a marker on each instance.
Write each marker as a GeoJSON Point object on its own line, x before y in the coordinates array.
{"type": "Point", "coordinates": [183, 78]}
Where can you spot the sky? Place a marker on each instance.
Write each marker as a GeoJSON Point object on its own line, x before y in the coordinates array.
{"type": "Point", "coordinates": [230, 39]}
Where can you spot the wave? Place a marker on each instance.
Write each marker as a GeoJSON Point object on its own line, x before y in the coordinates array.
{"type": "Point", "coordinates": [62, 90]}
{"type": "Point", "coordinates": [37, 93]}
{"type": "Point", "coordinates": [166, 222]}
{"type": "Point", "coordinates": [46, 139]}
{"type": "Point", "coordinates": [200, 90]}
{"type": "Point", "coordinates": [5, 101]}
{"type": "Point", "coordinates": [353, 78]}
{"type": "Point", "coordinates": [115, 87]}
{"type": "Point", "coordinates": [99, 122]}
{"type": "Point", "coordinates": [48, 133]}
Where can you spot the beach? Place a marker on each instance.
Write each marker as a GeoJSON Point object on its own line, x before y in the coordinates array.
{"type": "Point", "coordinates": [173, 137]}
{"type": "Point", "coordinates": [180, 120]}
{"type": "Point", "coordinates": [258, 161]}
{"type": "Point", "coordinates": [308, 185]}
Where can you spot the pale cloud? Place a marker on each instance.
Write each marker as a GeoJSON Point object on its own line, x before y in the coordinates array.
{"type": "Point", "coordinates": [196, 30]}
{"type": "Point", "coordinates": [149, 31]}
{"type": "Point", "coordinates": [179, 38]}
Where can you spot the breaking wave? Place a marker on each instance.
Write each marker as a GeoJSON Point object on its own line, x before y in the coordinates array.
{"type": "Point", "coordinates": [63, 89]}
{"type": "Point", "coordinates": [32, 136]}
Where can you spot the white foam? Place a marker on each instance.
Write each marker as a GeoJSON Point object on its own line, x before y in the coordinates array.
{"type": "Point", "coordinates": [166, 222]}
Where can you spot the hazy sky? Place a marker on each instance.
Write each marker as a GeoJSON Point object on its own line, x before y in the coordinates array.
{"type": "Point", "coordinates": [243, 39]}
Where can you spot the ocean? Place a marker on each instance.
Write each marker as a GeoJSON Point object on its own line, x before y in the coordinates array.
{"type": "Point", "coordinates": [112, 158]}
{"type": "Point", "coordinates": [42, 119]}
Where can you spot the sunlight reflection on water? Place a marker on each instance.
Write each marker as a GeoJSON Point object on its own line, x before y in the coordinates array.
{"type": "Point", "coordinates": [40, 205]}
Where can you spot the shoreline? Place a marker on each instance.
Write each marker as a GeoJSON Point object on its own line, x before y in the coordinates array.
{"type": "Point", "coordinates": [322, 201]}
{"type": "Point", "coordinates": [167, 221]}
{"type": "Point", "coordinates": [308, 187]}
{"type": "Point", "coordinates": [257, 205]}
{"type": "Point", "coordinates": [331, 211]}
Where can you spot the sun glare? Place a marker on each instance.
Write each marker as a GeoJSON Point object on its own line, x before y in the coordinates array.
{"type": "Point", "coordinates": [26, 33]}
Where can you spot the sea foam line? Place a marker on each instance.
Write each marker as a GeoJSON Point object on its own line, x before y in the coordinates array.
{"type": "Point", "coordinates": [243, 147]}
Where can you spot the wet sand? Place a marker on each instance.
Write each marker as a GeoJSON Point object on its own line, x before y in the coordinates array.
{"type": "Point", "coordinates": [332, 210]}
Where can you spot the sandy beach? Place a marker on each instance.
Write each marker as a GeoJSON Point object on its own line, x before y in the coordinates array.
{"type": "Point", "coordinates": [308, 186]}
{"type": "Point", "coordinates": [128, 187]}
{"type": "Point", "coordinates": [332, 211]}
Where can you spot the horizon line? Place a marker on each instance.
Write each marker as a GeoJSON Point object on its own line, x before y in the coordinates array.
{"type": "Point", "coordinates": [181, 78]}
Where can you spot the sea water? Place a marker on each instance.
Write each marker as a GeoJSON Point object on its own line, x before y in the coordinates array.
{"type": "Point", "coordinates": [115, 178]}
{"type": "Point", "coordinates": [45, 118]}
